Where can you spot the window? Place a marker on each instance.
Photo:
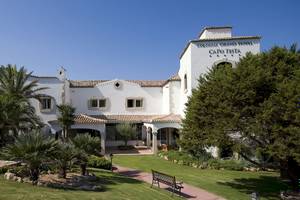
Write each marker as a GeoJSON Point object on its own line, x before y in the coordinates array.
{"type": "Point", "coordinates": [130, 103]}
{"type": "Point", "coordinates": [46, 104]}
{"type": "Point", "coordinates": [102, 103]}
{"type": "Point", "coordinates": [185, 82]}
{"type": "Point", "coordinates": [139, 103]}
{"type": "Point", "coordinates": [97, 103]}
{"type": "Point", "coordinates": [94, 103]}
{"type": "Point", "coordinates": [134, 103]}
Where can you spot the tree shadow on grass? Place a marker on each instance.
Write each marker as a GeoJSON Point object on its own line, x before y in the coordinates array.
{"type": "Point", "coordinates": [266, 186]}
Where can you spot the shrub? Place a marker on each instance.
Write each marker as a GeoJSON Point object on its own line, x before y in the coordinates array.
{"type": "Point", "coordinates": [99, 162]}
{"type": "Point", "coordinates": [233, 165]}
{"type": "Point", "coordinates": [20, 171]}
{"type": "Point", "coordinates": [3, 170]}
{"type": "Point", "coordinates": [214, 164]}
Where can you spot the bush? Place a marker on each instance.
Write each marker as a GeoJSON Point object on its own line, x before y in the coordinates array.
{"type": "Point", "coordinates": [99, 162]}
{"type": "Point", "coordinates": [203, 161]}
{"type": "Point", "coordinates": [3, 170]}
{"type": "Point", "coordinates": [214, 164]}
{"type": "Point", "coordinates": [21, 171]}
{"type": "Point", "coordinates": [233, 165]}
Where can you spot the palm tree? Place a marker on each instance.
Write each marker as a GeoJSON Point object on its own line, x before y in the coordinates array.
{"type": "Point", "coordinates": [66, 118]}
{"type": "Point", "coordinates": [34, 149]}
{"type": "Point", "coordinates": [294, 48]}
{"type": "Point", "coordinates": [16, 115]}
{"type": "Point", "coordinates": [15, 90]}
{"type": "Point", "coordinates": [86, 145]}
{"type": "Point", "coordinates": [17, 82]}
{"type": "Point", "coordinates": [65, 155]}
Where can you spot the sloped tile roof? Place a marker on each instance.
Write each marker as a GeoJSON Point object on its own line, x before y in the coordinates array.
{"type": "Point", "coordinates": [142, 83]}
{"type": "Point", "coordinates": [100, 119]}
{"type": "Point", "coordinates": [175, 77]}
{"type": "Point", "coordinates": [85, 119]}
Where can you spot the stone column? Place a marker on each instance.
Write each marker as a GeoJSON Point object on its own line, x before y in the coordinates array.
{"type": "Point", "coordinates": [154, 142]}
{"type": "Point", "coordinates": [103, 139]}
{"type": "Point", "coordinates": [148, 132]}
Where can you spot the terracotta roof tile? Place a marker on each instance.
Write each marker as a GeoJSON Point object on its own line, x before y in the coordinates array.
{"type": "Point", "coordinates": [100, 119]}
{"type": "Point", "coordinates": [93, 83]}
{"type": "Point", "coordinates": [85, 119]}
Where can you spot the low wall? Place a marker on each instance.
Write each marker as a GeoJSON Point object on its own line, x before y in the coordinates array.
{"type": "Point", "coordinates": [116, 143]}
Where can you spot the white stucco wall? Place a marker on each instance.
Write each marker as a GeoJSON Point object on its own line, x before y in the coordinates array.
{"type": "Point", "coordinates": [55, 88]}
{"type": "Point", "coordinates": [200, 56]}
{"type": "Point", "coordinates": [205, 53]}
{"type": "Point", "coordinates": [174, 97]}
{"type": "Point", "coordinates": [166, 99]}
{"type": "Point", "coordinates": [216, 33]}
{"type": "Point", "coordinates": [185, 68]}
{"type": "Point", "coordinates": [116, 98]}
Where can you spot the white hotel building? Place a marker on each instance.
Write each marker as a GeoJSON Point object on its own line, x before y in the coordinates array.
{"type": "Point", "coordinates": [156, 107]}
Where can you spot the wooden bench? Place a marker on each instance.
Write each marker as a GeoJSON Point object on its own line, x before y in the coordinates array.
{"type": "Point", "coordinates": [158, 177]}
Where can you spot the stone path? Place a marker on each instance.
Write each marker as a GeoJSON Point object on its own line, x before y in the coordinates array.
{"type": "Point", "coordinates": [188, 192]}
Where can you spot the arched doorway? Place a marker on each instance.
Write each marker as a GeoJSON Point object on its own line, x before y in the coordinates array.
{"type": "Point", "coordinates": [168, 136]}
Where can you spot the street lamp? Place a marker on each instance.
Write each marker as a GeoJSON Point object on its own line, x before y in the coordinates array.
{"type": "Point", "coordinates": [111, 158]}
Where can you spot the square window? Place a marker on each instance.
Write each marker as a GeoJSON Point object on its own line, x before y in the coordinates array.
{"type": "Point", "coordinates": [130, 103]}
{"type": "Point", "coordinates": [102, 103]}
{"type": "Point", "coordinates": [46, 103]}
{"type": "Point", "coordinates": [94, 103]}
{"type": "Point", "coordinates": [139, 103]}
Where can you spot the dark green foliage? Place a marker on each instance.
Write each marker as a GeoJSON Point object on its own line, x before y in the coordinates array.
{"type": "Point", "coordinates": [3, 170]}
{"type": "Point", "coordinates": [99, 162]}
{"type": "Point", "coordinates": [65, 156]}
{"type": "Point", "coordinates": [20, 171]}
{"type": "Point", "coordinates": [16, 114]}
{"type": "Point", "coordinates": [66, 118]}
{"type": "Point", "coordinates": [16, 82]}
{"type": "Point", "coordinates": [33, 149]}
{"type": "Point", "coordinates": [127, 131]}
{"type": "Point", "coordinates": [86, 145]}
{"type": "Point", "coordinates": [205, 161]}
{"type": "Point", "coordinates": [252, 109]}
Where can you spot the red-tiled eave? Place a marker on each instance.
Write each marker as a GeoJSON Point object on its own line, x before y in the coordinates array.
{"type": "Point", "coordinates": [101, 119]}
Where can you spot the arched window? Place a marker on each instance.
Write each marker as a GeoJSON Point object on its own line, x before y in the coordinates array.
{"type": "Point", "coordinates": [185, 82]}
{"type": "Point", "coordinates": [224, 64]}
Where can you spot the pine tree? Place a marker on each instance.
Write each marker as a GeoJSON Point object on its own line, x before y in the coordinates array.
{"type": "Point", "coordinates": [253, 108]}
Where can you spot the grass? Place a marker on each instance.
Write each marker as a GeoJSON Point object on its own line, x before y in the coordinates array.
{"type": "Point", "coordinates": [115, 187]}
{"type": "Point", "coordinates": [236, 185]}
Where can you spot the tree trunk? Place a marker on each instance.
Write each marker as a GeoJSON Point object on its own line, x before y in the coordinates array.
{"type": "Point", "coordinates": [83, 169]}
{"type": "Point", "coordinates": [66, 134]}
{"type": "Point", "coordinates": [290, 169]}
{"type": "Point", "coordinates": [34, 175]}
{"type": "Point", "coordinates": [126, 141]}
{"type": "Point", "coordinates": [293, 169]}
{"type": "Point", "coordinates": [63, 172]}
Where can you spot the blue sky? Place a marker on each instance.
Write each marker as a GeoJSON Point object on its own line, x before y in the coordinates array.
{"type": "Point", "coordinates": [129, 39]}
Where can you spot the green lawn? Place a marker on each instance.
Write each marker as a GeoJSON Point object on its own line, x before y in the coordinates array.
{"type": "Point", "coordinates": [116, 187]}
{"type": "Point", "coordinates": [236, 185]}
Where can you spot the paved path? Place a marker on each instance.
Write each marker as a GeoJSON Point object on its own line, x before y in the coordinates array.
{"type": "Point", "coordinates": [188, 192]}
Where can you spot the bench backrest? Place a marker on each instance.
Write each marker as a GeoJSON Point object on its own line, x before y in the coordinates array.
{"type": "Point", "coordinates": [164, 178]}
